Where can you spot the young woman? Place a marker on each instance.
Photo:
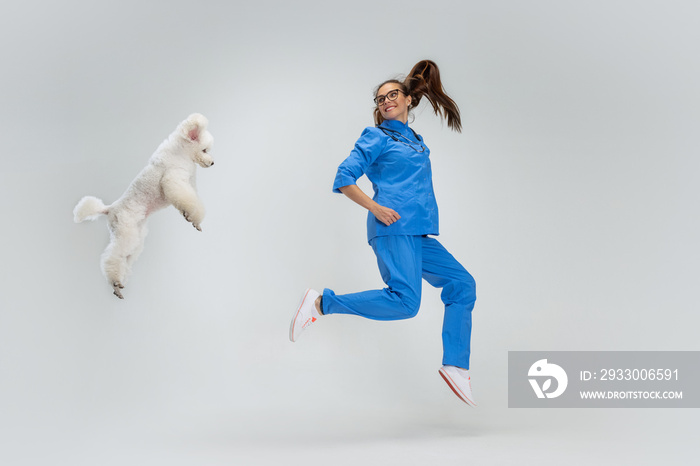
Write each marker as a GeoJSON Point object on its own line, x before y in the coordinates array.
{"type": "Point", "coordinates": [402, 213]}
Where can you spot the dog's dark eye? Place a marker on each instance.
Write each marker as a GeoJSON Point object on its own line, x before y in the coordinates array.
{"type": "Point", "coordinates": [205, 151]}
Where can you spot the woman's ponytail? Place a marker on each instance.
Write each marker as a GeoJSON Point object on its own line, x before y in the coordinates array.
{"type": "Point", "coordinates": [424, 81]}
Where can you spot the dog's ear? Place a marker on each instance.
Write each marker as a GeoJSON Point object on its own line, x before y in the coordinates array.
{"type": "Point", "coordinates": [193, 126]}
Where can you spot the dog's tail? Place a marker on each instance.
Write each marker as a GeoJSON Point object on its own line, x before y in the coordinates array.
{"type": "Point", "coordinates": [89, 208]}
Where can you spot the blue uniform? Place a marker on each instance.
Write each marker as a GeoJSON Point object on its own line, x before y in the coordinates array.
{"type": "Point", "coordinates": [396, 161]}
{"type": "Point", "coordinates": [399, 169]}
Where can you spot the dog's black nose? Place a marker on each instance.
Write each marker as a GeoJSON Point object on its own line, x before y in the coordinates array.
{"type": "Point", "coordinates": [211, 164]}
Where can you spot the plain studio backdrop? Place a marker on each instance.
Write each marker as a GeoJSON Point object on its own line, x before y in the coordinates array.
{"type": "Point", "coordinates": [571, 196]}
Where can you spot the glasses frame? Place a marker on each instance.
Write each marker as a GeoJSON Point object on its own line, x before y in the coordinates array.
{"type": "Point", "coordinates": [386, 97]}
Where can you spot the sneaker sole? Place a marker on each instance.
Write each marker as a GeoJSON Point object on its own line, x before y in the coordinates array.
{"type": "Point", "coordinates": [451, 383]}
{"type": "Point", "coordinates": [296, 315]}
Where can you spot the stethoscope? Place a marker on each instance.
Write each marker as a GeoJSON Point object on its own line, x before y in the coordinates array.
{"type": "Point", "coordinates": [393, 135]}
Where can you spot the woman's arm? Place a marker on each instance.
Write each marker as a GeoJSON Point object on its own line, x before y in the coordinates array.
{"type": "Point", "coordinates": [384, 214]}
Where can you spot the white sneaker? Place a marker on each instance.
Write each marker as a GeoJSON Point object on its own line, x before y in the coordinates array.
{"type": "Point", "coordinates": [459, 381]}
{"type": "Point", "coordinates": [305, 315]}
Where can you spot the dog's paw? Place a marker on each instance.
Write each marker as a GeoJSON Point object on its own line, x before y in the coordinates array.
{"type": "Point", "coordinates": [117, 289]}
{"type": "Point", "coordinates": [193, 221]}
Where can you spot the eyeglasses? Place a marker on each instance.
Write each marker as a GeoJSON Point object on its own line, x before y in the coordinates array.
{"type": "Point", "coordinates": [391, 95]}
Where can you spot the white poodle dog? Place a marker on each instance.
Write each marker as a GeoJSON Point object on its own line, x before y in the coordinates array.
{"type": "Point", "coordinates": [169, 178]}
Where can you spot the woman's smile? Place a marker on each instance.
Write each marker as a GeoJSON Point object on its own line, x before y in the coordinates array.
{"type": "Point", "coordinates": [397, 107]}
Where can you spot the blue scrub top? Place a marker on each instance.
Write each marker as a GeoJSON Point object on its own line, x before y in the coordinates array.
{"type": "Point", "coordinates": [401, 177]}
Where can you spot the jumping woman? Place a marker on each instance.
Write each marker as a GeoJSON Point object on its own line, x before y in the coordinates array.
{"type": "Point", "coordinates": [402, 217]}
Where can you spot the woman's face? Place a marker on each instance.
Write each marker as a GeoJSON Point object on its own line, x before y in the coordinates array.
{"type": "Point", "coordinates": [396, 109]}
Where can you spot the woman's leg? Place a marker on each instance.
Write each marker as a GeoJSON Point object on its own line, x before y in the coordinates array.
{"type": "Point", "coordinates": [399, 260]}
{"type": "Point", "coordinates": [442, 270]}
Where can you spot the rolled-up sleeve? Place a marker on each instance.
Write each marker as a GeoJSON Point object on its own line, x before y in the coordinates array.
{"type": "Point", "coordinates": [367, 149]}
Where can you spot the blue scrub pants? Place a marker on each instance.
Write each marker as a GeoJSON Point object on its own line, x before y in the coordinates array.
{"type": "Point", "coordinates": [403, 261]}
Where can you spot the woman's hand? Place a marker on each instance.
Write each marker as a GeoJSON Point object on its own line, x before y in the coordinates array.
{"type": "Point", "coordinates": [385, 215]}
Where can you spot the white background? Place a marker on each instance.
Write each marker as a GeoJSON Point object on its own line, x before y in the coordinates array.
{"type": "Point", "coordinates": [571, 196]}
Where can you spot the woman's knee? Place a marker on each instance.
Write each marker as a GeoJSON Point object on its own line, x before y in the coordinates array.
{"type": "Point", "coordinates": [411, 308]}
{"type": "Point", "coordinates": [461, 289]}
{"type": "Point", "coordinates": [408, 303]}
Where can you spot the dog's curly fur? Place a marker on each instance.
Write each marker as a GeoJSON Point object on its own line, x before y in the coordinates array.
{"type": "Point", "coordinates": [168, 179]}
